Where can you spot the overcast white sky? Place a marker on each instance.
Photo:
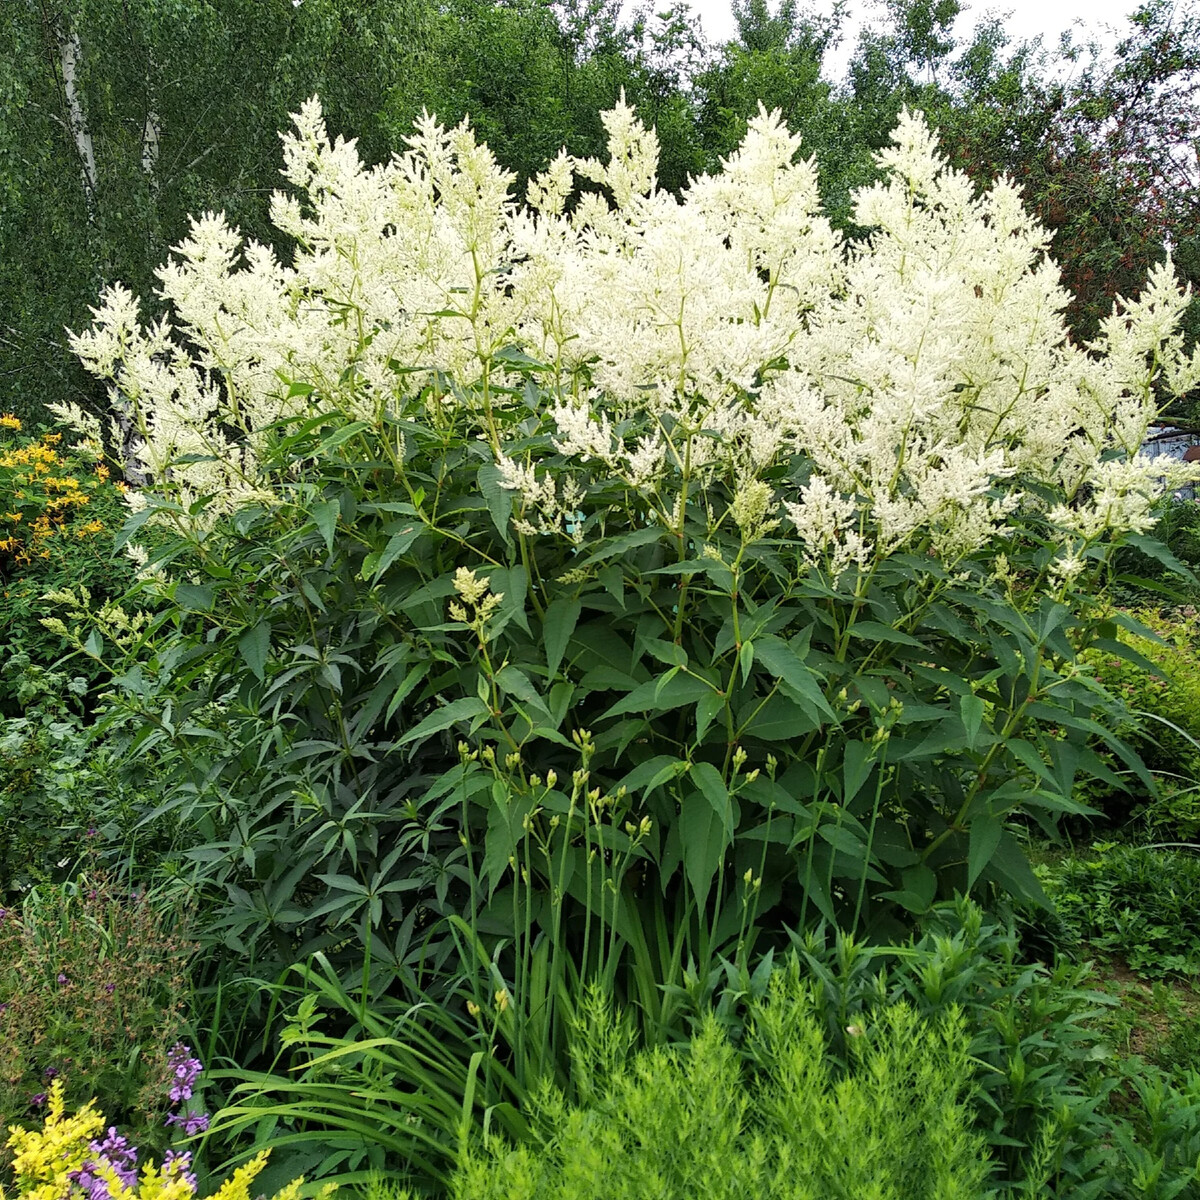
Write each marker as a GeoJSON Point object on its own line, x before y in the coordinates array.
{"type": "Point", "coordinates": [1027, 19]}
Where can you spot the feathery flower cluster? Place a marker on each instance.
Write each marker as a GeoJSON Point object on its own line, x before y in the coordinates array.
{"type": "Point", "coordinates": [912, 390]}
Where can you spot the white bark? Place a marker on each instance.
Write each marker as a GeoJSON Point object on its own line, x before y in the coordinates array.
{"type": "Point", "coordinates": [69, 53]}
{"type": "Point", "coordinates": [150, 139]}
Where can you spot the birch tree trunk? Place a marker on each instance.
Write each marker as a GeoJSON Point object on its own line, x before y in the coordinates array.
{"type": "Point", "coordinates": [69, 54]}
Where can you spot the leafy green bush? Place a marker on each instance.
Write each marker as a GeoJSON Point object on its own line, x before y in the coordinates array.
{"type": "Point", "coordinates": [59, 514]}
{"type": "Point", "coordinates": [1163, 722]}
{"type": "Point", "coordinates": [93, 991]}
{"type": "Point", "coordinates": [1139, 902]}
{"type": "Point", "coordinates": [593, 590]}
{"type": "Point", "coordinates": [61, 792]}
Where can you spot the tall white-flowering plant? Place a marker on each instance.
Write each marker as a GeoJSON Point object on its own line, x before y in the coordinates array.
{"type": "Point", "coordinates": [923, 376]}
{"type": "Point", "coordinates": [775, 549]}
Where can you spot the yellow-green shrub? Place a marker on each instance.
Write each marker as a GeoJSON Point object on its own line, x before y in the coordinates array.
{"type": "Point", "coordinates": [46, 1161]}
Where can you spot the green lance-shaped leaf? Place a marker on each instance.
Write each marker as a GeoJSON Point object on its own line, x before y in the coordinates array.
{"type": "Point", "coordinates": [325, 516]}
{"type": "Point", "coordinates": [791, 670]}
{"type": "Point", "coordinates": [562, 615]}
{"type": "Point", "coordinates": [254, 645]}
{"type": "Point", "coordinates": [466, 709]}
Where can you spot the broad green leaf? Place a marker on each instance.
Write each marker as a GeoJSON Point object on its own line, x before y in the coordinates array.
{"type": "Point", "coordinates": [654, 772]}
{"type": "Point", "coordinates": [983, 839]}
{"type": "Point", "coordinates": [858, 759]}
{"type": "Point", "coordinates": [193, 597]}
{"type": "Point", "coordinates": [254, 645]}
{"type": "Point", "coordinates": [791, 670]}
{"type": "Point", "coordinates": [1010, 868]}
{"type": "Point", "coordinates": [499, 499]}
{"type": "Point", "coordinates": [659, 696]}
{"type": "Point", "coordinates": [778, 719]}
{"type": "Point", "coordinates": [842, 840]}
{"type": "Point", "coordinates": [334, 440]}
{"type": "Point", "coordinates": [325, 515]}
{"type": "Point", "coordinates": [506, 828]}
{"type": "Point", "coordinates": [702, 841]}
{"type": "Point", "coordinates": [876, 631]}
{"type": "Point", "coordinates": [666, 652]}
{"type": "Point", "coordinates": [707, 707]}
{"type": "Point", "coordinates": [513, 584]}
{"type": "Point", "coordinates": [414, 676]}
{"type": "Point", "coordinates": [466, 709]}
{"type": "Point", "coordinates": [971, 708]}
{"type": "Point", "coordinates": [397, 545]}
{"type": "Point", "coordinates": [708, 779]}
{"type": "Point", "coordinates": [1027, 754]}
{"type": "Point", "coordinates": [746, 660]}
{"type": "Point", "coordinates": [561, 618]}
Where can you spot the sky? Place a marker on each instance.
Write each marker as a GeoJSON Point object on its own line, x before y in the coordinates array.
{"type": "Point", "coordinates": [1027, 19]}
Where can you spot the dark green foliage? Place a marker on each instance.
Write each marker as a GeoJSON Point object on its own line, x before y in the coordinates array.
{"type": "Point", "coordinates": [856, 758]}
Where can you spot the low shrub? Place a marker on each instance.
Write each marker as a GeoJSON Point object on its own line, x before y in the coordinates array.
{"type": "Point", "coordinates": [771, 1119]}
{"type": "Point", "coordinates": [93, 992]}
{"type": "Point", "coordinates": [1141, 903]}
{"type": "Point", "coordinates": [62, 796]}
{"type": "Point", "coordinates": [65, 1157]}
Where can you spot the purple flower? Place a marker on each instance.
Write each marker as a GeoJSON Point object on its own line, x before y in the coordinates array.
{"type": "Point", "coordinates": [116, 1149]}
{"type": "Point", "coordinates": [38, 1100]}
{"type": "Point", "coordinates": [63, 979]}
{"type": "Point", "coordinates": [190, 1123]}
{"type": "Point", "coordinates": [113, 1152]}
{"type": "Point", "coordinates": [3, 1009]}
{"type": "Point", "coordinates": [92, 832]}
{"type": "Point", "coordinates": [110, 988]}
{"type": "Point", "coordinates": [176, 1164]}
{"type": "Point", "coordinates": [185, 1069]}
{"type": "Point", "coordinates": [50, 1073]}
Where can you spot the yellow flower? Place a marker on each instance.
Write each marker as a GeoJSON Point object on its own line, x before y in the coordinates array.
{"type": "Point", "coordinates": [44, 1160]}
{"type": "Point", "coordinates": [8, 421]}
